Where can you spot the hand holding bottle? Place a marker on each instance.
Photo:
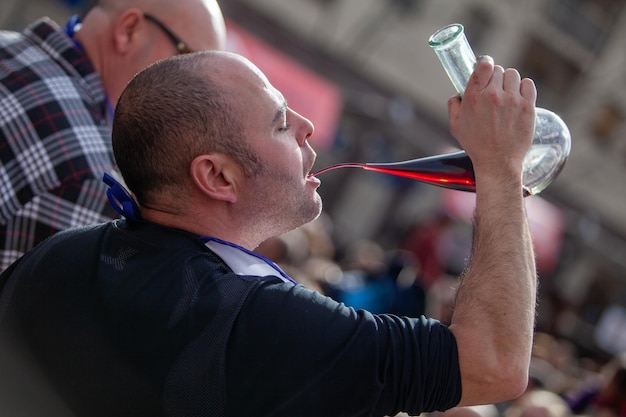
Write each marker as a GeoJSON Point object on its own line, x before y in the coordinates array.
{"type": "Point", "coordinates": [551, 139]}
{"type": "Point", "coordinates": [494, 121]}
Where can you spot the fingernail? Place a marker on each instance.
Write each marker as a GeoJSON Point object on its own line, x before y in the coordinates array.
{"type": "Point", "coordinates": [485, 58]}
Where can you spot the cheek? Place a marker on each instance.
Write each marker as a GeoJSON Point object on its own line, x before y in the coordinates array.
{"type": "Point", "coordinates": [286, 159]}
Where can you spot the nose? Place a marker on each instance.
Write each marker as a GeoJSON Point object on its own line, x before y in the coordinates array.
{"type": "Point", "coordinates": [305, 129]}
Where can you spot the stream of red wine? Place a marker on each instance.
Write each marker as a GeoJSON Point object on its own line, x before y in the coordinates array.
{"type": "Point", "coordinates": [453, 170]}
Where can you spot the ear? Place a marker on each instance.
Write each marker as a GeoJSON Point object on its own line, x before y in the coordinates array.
{"type": "Point", "coordinates": [126, 28]}
{"type": "Point", "coordinates": [215, 175]}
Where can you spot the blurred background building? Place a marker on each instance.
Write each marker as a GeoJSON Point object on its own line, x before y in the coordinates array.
{"type": "Point", "coordinates": [363, 72]}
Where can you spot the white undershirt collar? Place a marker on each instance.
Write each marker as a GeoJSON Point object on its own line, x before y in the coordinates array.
{"type": "Point", "coordinates": [242, 261]}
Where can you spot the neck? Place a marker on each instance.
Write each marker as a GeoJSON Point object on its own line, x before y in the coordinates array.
{"type": "Point", "coordinates": [96, 39]}
{"type": "Point", "coordinates": [214, 222]}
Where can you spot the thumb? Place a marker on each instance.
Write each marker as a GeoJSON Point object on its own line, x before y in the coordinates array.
{"type": "Point", "coordinates": [481, 75]}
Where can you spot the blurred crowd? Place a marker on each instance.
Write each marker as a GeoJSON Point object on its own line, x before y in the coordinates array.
{"type": "Point", "coordinates": [419, 277]}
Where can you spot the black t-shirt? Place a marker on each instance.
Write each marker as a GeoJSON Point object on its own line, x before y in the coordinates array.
{"type": "Point", "coordinates": [137, 319]}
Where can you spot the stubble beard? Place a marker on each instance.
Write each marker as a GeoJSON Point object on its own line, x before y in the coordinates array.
{"type": "Point", "coordinates": [281, 208]}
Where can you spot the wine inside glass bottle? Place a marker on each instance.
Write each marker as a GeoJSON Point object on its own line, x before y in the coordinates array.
{"type": "Point", "coordinates": [542, 163]}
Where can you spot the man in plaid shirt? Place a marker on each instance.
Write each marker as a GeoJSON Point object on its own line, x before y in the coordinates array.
{"type": "Point", "coordinates": [58, 87]}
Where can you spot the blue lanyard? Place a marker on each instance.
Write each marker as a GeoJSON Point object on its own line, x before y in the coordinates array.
{"type": "Point", "coordinates": [72, 25]}
{"type": "Point", "coordinates": [120, 198]}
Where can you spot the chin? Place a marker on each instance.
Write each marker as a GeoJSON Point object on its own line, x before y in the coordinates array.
{"type": "Point", "coordinates": [312, 210]}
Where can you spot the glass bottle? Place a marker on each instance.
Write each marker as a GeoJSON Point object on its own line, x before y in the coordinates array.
{"type": "Point", "coordinates": [551, 141]}
{"type": "Point", "coordinates": [543, 162]}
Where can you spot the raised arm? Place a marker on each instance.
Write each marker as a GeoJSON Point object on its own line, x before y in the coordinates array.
{"type": "Point", "coordinates": [494, 312]}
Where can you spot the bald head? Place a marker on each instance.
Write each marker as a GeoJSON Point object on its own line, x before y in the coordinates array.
{"type": "Point", "coordinates": [170, 113]}
{"type": "Point", "coordinates": [199, 22]}
{"type": "Point", "coordinates": [122, 37]}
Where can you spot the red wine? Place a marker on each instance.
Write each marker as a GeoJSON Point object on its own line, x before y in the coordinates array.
{"type": "Point", "coordinates": [452, 170]}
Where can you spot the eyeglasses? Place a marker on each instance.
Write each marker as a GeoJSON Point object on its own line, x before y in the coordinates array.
{"type": "Point", "coordinates": [179, 44]}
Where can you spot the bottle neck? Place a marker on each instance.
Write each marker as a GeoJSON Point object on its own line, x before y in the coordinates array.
{"type": "Point", "coordinates": [455, 53]}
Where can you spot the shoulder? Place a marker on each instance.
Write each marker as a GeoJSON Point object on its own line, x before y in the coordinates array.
{"type": "Point", "coordinates": [53, 114]}
{"type": "Point", "coordinates": [42, 41]}
{"type": "Point", "coordinates": [67, 244]}
{"type": "Point", "coordinates": [76, 237]}
{"type": "Point", "coordinates": [44, 58]}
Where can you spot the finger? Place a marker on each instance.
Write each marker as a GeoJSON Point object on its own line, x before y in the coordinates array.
{"type": "Point", "coordinates": [511, 81]}
{"type": "Point", "coordinates": [482, 74]}
{"type": "Point", "coordinates": [497, 77]}
{"type": "Point", "coordinates": [528, 89]}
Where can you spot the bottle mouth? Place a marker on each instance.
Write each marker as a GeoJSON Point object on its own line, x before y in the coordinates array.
{"type": "Point", "coordinates": [445, 35]}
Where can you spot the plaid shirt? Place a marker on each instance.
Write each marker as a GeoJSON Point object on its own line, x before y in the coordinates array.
{"type": "Point", "coordinates": [55, 140]}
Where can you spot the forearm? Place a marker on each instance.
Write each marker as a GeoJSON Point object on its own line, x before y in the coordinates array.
{"type": "Point", "coordinates": [493, 317]}
{"type": "Point", "coordinates": [495, 306]}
